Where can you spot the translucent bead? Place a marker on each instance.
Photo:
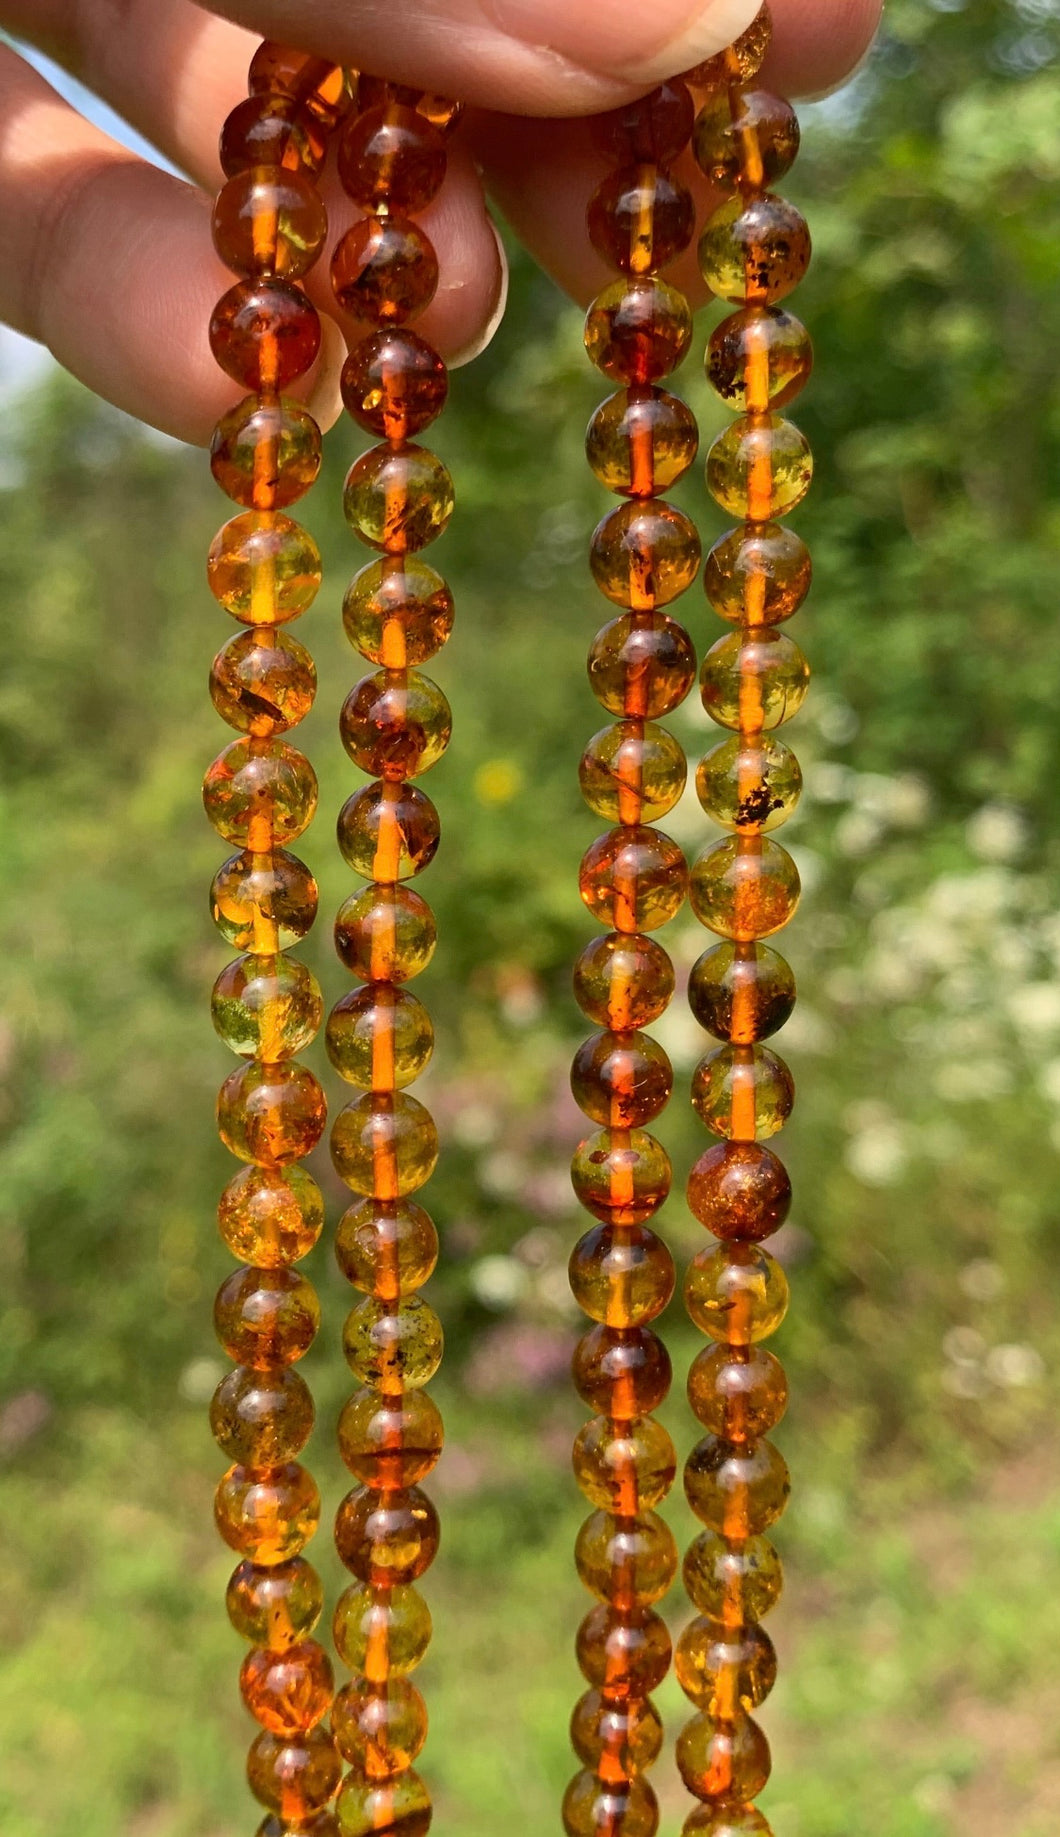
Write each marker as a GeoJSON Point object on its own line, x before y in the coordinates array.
{"type": "Point", "coordinates": [398, 611]}
{"type": "Point", "coordinates": [622, 1373]}
{"type": "Point", "coordinates": [263, 686]}
{"type": "Point", "coordinates": [393, 1346]}
{"type": "Point", "coordinates": [736, 1488]}
{"type": "Point", "coordinates": [644, 554]}
{"type": "Point", "coordinates": [265, 454]}
{"type": "Point", "coordinates": [388, 832]}
{"type": "Point", "coordinates": [640, 442]}
{"type": "Point", "coordinates": [379, 1732]}
{"type": "Point", "coordinates": [754, 680]}
{"type": "Point", "coordinates": [723, 1760]}
{"type": "Point", "coordinates": [264, 568]}
{"type": "Point", "coordinates": [261, 1419]}
{"type": "Point", "coordinates": [398, 1808]}
{"type": "Point", "coordinates": [271, 1216]}
{"type": "Point", "coordinates": [724, 1671]}
{"type": "Point", "coordinates": [386, 1538]}
{"type": "Point", "coordinates": [382, 1636]}
{"type": "Point", "coordinates": [622, 1809]}
{"type": "Point", "coordinates": [271, 131]}
{"type": "Point", "coordinates": [642, 664]}
{"type": "Point", "coordinates": [397, 499]}
{"type": "Point", "coordinates": [379, 1037]}
{"type": "Point", "coordinates": [394, 384]}
{"type": "Point", "coordinates": [640, 219]}
{"type": "Point", "coordinates": [385, 934]}
{"type": "Point", "coordinates": [265, 334]}
{"type": "Point", "coordinates": [638, 330]}
{"type": "Point", "coordinates": [271, 1114]}
{"type": "Point", "coordinates": [263, 899]}
{"type": "Point", "coordinates": [745, 1092]}
{"type": "Point", "coordinates": [390, 1442]}
{"type": "Point", "coordinates": [625, 1472]}
{"type": "Point", "coordinates": [387, 1248]}
{"type": "Point", "coordinates": [621, 1080]}
{"type": "Point", "coordinates": [631, 1561]}
{"type": "Point", "coordinates": [755, 250]}
{"type": "Point", "coordinates": [395, 724]}
{"type": "Point", "coordinates": [740, 1191]}
{"type": "Point", "coordinates": [740, 61]}
{"type": "Point", "coordinates": [737, 1293]}
{"type": "Point", "coordinates": [267, 1007]}
{"type": "Point", "coordinates": [393, 157]}
{"type": "Point", "coordinates": [294, 1775]}
{"type": "Point", "coordinates": [628, 1652]}
{"type": "Point", "coordinates": [748, 139]}
{"type": "Point", "coordinates": [741, 993]}
{"type": "Point", "coordinates": [266, 1317]}
{"type": "Point", "coordinates": [758, 574]}
{"type": "Point", "coordinates": [620, 1277]}
{"type": "Point", "coordinates": [320, 88]}
{"type": "Point", "coordinates": [257, 790]}
{"type": "Point", "coordinates": [630, 1735]}
{"type": "Point", "coordinates": [288, 1692]}
{"type": "Point", "coordinates": [759, 359]}
{"type": "Point", "coordinates": [735, 1585]}
{"type": "Point", "coordinates": [632, 771]}
{"type": "Point", "coordinates": [651, 131]}
{"type": "Point", "coordinates": [726, 1820]}
{"type": "Point", "coordinates": [277, 1606]}
{"type": "Point", "coordinates": [267, 1518]}
{"type": "Point", "coordinates": [760, 467]}
{"type": "Point", "coordinates": [269, 221]}
{"type": "Point", "coordinates": [380, 92]}
{"type": "Point", "coordinates": [623, 1182]}
{"type": "Point", "coordinates": [384, 1146]}
{"type": "Point", "coordinates": [384, 271]}
{"type": "Point", "coordinates": [749, 784]}
{"type": "Point", "coordinates": [740, 1397]}
{"type": "Point", "coordinates": [744, 892]}
{"type": "Point", "coordinates": [319, 1824]}
{"type": "Point", "coordinates": [623, 981]}
{"type": "Point", "coordinates": [633, 879]}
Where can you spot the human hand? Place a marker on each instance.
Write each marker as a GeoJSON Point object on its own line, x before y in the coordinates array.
{"type": "Point", "coordinates": [108, 260]}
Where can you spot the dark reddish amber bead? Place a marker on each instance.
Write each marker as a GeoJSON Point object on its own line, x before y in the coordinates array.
{"type": "Point", "coordinates": [725, 1670]}
{"type": "Point", "coordinates": [394, 1808]}
{"type": "Point", "coordinates": [388, 832]}
{"type": "Point", "coordinates": [745, 1092]}
{"type": "Point", "coordinates": [392, 157]}
{"type": "Point", "coordinates": [632, 772]}
{"type": "Point", "coordinates": [740, 61]}
{"type": "Point", "coordinates": [271, 1216]}
{"type": "Point", "coordinates": [398, 498]}
{"type": "Point", "coordinates": [638, 330]}
{"type": "Point", "coordinates": [258, 790]}
{"type": "Point", "coordinates": [386, 1248]}
{"type": "Point", "coordinates": [745, 141]}
{"type": "Point", "coordinates": [758, 574]}
{"type": "Point", "coordinates": [640, 442]}
{"type": "Point", "coordinates": [264, 334]}
{"type": "Point", "coordinates": [629, 1734]}
{"type": "Point", "coordinates": [382, 1634]}
{"type": "Point", "coordinates": [650, 131]}
{"type": "Point", "coordinates": [271, 130]}
{"type": "Point", "coordinates": [265, 455]}
{"type": "Point", "coordinates": [276, 1606]}
{"type": "Point", "coordinates": [642, 664]}
{"type": "Point", "coordinates": [267, 1517]}
{"type": "Point", "coordinates": [390, 1442]}
{"type": "Point", "coordinates": [319, 87]}
{"type": "Point", "coordinates": [288, 1692]}
{"type": "Point", "coordinates": [384, 271]}
{"type": "Point", "coordinates": [737, 1488]}
{"type": "Point", "coordinates": [738, 1396]}
{"type": "Point", "coordinates": [394, 384]}
{"type": "Point", "coordinates": [262, 1418]}
{"type": "Point", "coordinates": [633, 879]}
{"type": "Point", "coordinates": [398, 611]}
{"type": "Point", "coordinates": [264, 568]}
{"type": "Point", "coordinates": [266, 1007]}
{"type": "Point", "coordinates": [266, 900]}
{"type": "Point", "coordinates": [621, 1182]}
{"type": "Point", "coordinates": [754, 680]}
{"type": "Point", "coordinates": [734, 1585]}
{"type": "Point", "coordinates": [271, 1114]}
{"type": "Point", "coordinates": [294, 1775]}
{"type": "Point", "coordinates": [640, 1548]}
{"type": "Point", "coordinates": [626, 1652]}
{"type": "Point", "coordinates": [760, 467]}
{"type": "Point", "coordinates": [621, 1372]}
{"type": "Point", "coordinates": [727, 1819]}
{"type": "Point", "coordinates": [393, 1345]}
{"type": "Point", "coordinates": [266, 1317]}
{"type": "Point", "coordinates": [622, 1809]}
{"type": "Point", "coordinates": [759, 358]}
{"type": "Point", "coordinates": [624, 1468]}
{"type": "Point", "coordinates": [622, 1080]}
{"type": "Point", "coordinates": [385, 1146]}
{"type": "Point", "coordinates": [737, 1293]}
{"type": "Point", "coordinates": [755, 251]}
{"type": "Point", "coordinates": [380, 92]}
{"type": "Point", "coordinates": [744, 892]}
{"type": "Point", "coordinates": [621, 1276]}
{"type": "Point", "coordinates": [379, 1038]}
{"type": "Point", "coordinates": [386, 1538]}
{"type": "Point", "coordinates": [623, 980]}
{"type": "Point", "coordinates": [741, 993]}
{"type": "Point", "coordinates": [740, 1191]}
{"type": "Point", "coordinates": [723, 1760]}
{"type": "Point", "coordinates": [644, 554]}
{"type": "Point", "coordinates": [379, 1731]}
{"type": "Point", "coordinates": [269, 221]}
{"type": "Point", "coordinates": [263, 683]}
{"type": "Point", "coordinates": [641, 219]}
{"type": "Point", "coordinates": [385, 934]}
{"type": "Point", "coordinates": [395, 724]}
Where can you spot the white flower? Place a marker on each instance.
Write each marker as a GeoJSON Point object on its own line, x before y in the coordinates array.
{"type": "Point", "coordinates": [498, 1282]}
{"type": "Point", "coordinates": [997, 832]}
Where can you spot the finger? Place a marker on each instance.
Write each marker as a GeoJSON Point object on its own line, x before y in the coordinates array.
{"type": "Point", "coordinates": [818, 43]}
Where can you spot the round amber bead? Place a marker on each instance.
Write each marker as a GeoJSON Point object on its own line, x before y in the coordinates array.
{"type": "Point", "coordinates": [644, 554]}
{"type": "Point", "coordinates": [379, 1037]}
{"type": "Point", "coordinates": [737, 1488]}
{"type": "Point", "coordinates": [395, 724]}
{"type": "Point", "coordinates": [630, 1734]}
{"type": "Point", "coordinates": [749, 785]}
{"type": "Point", "coordinates": [384, 1145]}
{"type": "Point", "coordinates": [622, 1080]}
{"type": "Point", "coordinates": [632, 771]}
{"type": "Point", "coordinates": [380, 1732]}
{"type": "Point", "coordinates": [740, 1191]}
{"type": "Point", "coordinates": [755, 251]}
{"type": "Point", "coordinates": [739, 1397]}
{"type": "Point", "coordinates": [267, 1007]}
{"type": "Point", "coordinates": [741, 993]}
{"type": "Point", "coordinates": [394, 1808]}
{"type": "Point", "coordinates": [265, 454]}
{"type": "Point", "coordinates": [261, 1419]}
{"type": "Point", "coordinates": [632, 1558]}
{"type": "Point", "coordinates": [736, 1585]}
{"type": "Point", "coordinates": [623, 981]}
{"type": "Point", "coordinates": [269, 221]}
{"type": "Point", "coordinates": [621, 1372]}
{"type": "Point", "coordinates": [393, 1346]}
{"type": "Point", "coordinates": [294, 1775]}
{"type": "Point", "coordinates": [398, 611]}
{"type": "Point", "coordinates": [385, 934]}
{"type": "Point", "coordinates": [651, 131]}
{"type": "Point", "coordinates": [264, 568]}
{"type": "Point", "coordinates": [387, 1248]}
{"type": "Point", "coordinates": [267, 1518]}
{"type": "Point", "coordinates": [271, 1114]}
{"type": "Point", "coordinates": [621, 1808]}
{"type": "Point", "coordinates": [621, 1182]}
{"type": "Point", "coordinates": [740, 61]}
{"type": "Point", "coordinates": [744, 892]}
{"type": "Point", "coordinates": [271, 131]}
{"type": "Point", "coordinates": [264, 899]}
{"type": "Point", "coordinates": [725, 1670]}
{"type": "Point", "coordinates": [723, 1760]}
{"type": "Point", "coordinates": [263, 685]}
{"type": "Point", "coordinates": [746, 140]}
{"type": "Point", "coordinates": [640, 442]}
{"type": "Point", "coordinates": [393, 157]}
{"type": "Point", "coordinates": [760, 467]}
{"type": "Point", "coordinates": [633, 879]}
{"type": "Point", "coordinates": [638, 330]}
{"type": "Point", "coordinates": [394, 384]}
{"type": "Point", "coordinates": [388, 832]}
{"type": "Point", "coordinates": [319, 88]}
{"type": "Point", "coordinates": [625, 1471]}
{"type": "Point", "coordinates": [257, 790]}
{"type": "Point", "coordinates": [271, 1216]}
{"type": "Point", "coordinates": [265, 334]}
{"type": "Point", "coordinates": [639, 220]}
{"type": "Point", "coordinates": [266, 1317]}
{"type": "Point", "coordinates": [758, 574]}
{"type": "Point", "coordinates": [642, 664]}
{"type": "Point", "coordinates": [398, 498]}
{"type": "Point", "coordinates": [390, 1442]}
{"type": "Point", "coordinates": [759, 358]}
{"type": "Point", "coordinates": [745, 1092]}
{"type": "Point", "coordinates": [386, 1538]}
{"type": "Point", "coordinates": [384, 271]}
{"type": "Point", "coordinates": [276, 1606]}
{"type": "Point", "coordinates": [382, 1635]}
{"type": "Point", "coordinates": [626, 1652]}
{"type": "Point", "coordinates": [737, 1293]}
{"type": "Point", "coordinates": [288, 1692]}
{"type": "Point", "coordinates": [621, 1277]}
{"type": "Point", "coordinates": [728, 1819]}
{"type": "Point", "coordinates": [754, 680]}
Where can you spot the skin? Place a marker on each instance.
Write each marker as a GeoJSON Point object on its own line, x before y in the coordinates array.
{"type": "Point", "coordinates": [108, 261]}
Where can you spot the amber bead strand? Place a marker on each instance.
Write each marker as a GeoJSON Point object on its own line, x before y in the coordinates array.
{"type": "Point", "coordinates": [633, 879]}
{"type": "Point", "coordinates": [754, 250]}
{"type": "Point", "coordinates": [260, 793]}
{"type": "Point", "coordinates": [395, 724]}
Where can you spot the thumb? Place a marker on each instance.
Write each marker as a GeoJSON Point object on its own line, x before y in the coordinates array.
{"type": "Point", "coordinates": [524, 57]}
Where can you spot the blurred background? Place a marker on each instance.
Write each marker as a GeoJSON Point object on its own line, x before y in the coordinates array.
{"type": "Point", "coordinates": [918, 1636]}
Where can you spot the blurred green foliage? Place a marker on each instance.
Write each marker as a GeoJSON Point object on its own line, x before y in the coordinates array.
{"type": "Point", "coordinates": [919, 1636]}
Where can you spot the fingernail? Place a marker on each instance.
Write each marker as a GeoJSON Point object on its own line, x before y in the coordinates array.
{"type": "Point", "coordinates": [626, 39]}
{"type": "Point", "coordinates": [478, 344]}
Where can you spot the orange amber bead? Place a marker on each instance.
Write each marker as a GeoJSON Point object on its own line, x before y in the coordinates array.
{"type": "Point", "coordinates": [263, 683]}
{"type": "Point", "coordinates": [641, 441]}
{"type": "Point", "coordinates": [628, 1653]}
{"type": "Point", "coordinates": [650, 131]}
{"type": "Point", "coordinates": [638, 330]}
{"type": "Point", "coordinates": [395, 724]}
{"type": "Point", "coordinates": [396, 1808]}
{"type": "Point", "coordinates": [630, 1734]}
{"type": "Point", "coordinates": [621, 1079]}
{"type": "Point", "coordinates": [271, 131]}
{"type": "Point", "coordinates": [737, 1395]}
{"type": "Point", "coordinates": [644, 554]}
{"type": "Point", "coordinates": [621, 1276]}
{"type": "Point", "coordinates": [621, 1182]}
{"type": "Point", "coordinates": [398, 611]}
{"type": "Point", "coordinates": [394, 384]}
{"type": "Point", "coordinates": [758, 574]}
{"type": "Point", "coordinates": [379, 1037]}
{"type": "Point", "coordinates": [288, 1692]}
{"type": "Point", "coordinates": [759, 358]}
{"type": "Point", "coordinates": [269, 221]}
{"type": "Point", "coordinates": [385, 934]}
{"type": "Point", "coordinates": [385, 1146]}
{"type": "Point", "coordinates": [745, 1092]}
{"type": "Point", "coordinates": [379, 1731]}
{"type": "Point", "coordinates": [271, 1113]}
{"type": "Point", "coordinates": [755, 251]}
{"type": "Point", "coordinates": [745, 141]}
{"type": "Point", "coordinates": [294, 1775]}
{"type": "Point", "coordinates": [266, 899]}
{"type": "Point", "coordinates": [726, 1820]}
{"type": "Point", "coordinates": [737, 1293]}
{"type": "Point", "coordinates": [749, 784]}
{"type": "Point", "coordinates": [266, 1317]}
{"type": "Point", "coordinates": [277, 1606]}
{"type": "Point", "coordinates": [723, 1760]}
{"type": "Point", "coordinates": [737, 1488]}
{"type": "Point", "coordinates": [271, 1216]}
{"type": "Point", "coordinates": [393, 1346]}
{"type": "Point", "coordinates": [740, 61]}
{"type": "Point", "coordinates": [633, 879]}
{"type": "Point", "coordinates": [262, 1418]}
{"type": "Point", "coordinates": [623, 981]}
{"type": "Point", "coordinates": [632, 772]}
{"type": "Point", "coordinates": [754, 680]}
{"type": "Point", "coordinates": [265, 454]}
{"type": "Point", "coordinates": [387, 1248]}
{"type": "Point", "coordinates": [267, 1518]}
{"type": "Point", "coordinates": [760, 467]}
{"type": "Point", "coordinates": [264, 568]}
{"type": "Point", "coordinates": [741, 993]}
{"type": "Point", "coordinates": [398, 498]}
{"type": "Point", "coordinates": [591, 1805]}
{"type": "Point", "coordinates": [734, 1584]}
{"type": "Point", "coordinates": [390, 1442]}
{"type": "Point", "coordinates": [621, 1372]}
{"type": "Point", "coordinates": [744, 893]}
{"type": "Point", "coordinates": [391, 157]}
{"type": "Point", "coordinates": [639, 219]}
{"type": "Point", "coordinates": [724, 1670]}
{"type": "Point", "coordinates": [388, 832]}
{"type": "Point", "coordinates": [319, 87]}
{"type": "Point", "coordinates": [267, 1007]}
{"type": "Point", "coordinates": [624, 1470]}
{"type": "Point", "coordinates": [384, 271]}
{"type": "Point", "coordinates": [265, 334]}
{"type": "Point", "coordinates": [640, 1548]}
{"type": "Point", "coordinates": [258, 790]}
{"type": "Point", "coordinates": [386, 1538]}
{"type": "Point", "coordinates": [642, 665]}
{"type": "Point", "coordinates": [382, 1635]}
{"type": "Point", "coordinates": [740, 1191]}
